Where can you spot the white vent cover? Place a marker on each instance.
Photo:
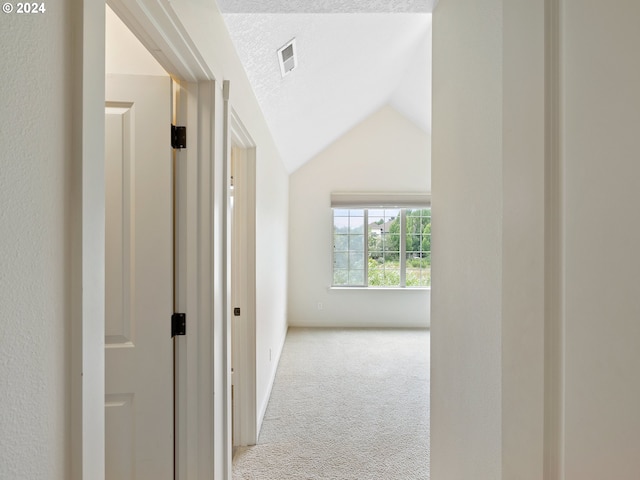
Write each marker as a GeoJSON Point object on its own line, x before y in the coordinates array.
{"type": "Point", "coordinates": [287, 57]}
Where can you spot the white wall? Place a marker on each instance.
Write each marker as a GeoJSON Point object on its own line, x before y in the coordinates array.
{"type": "Point", "coordinates": [488, 303]}
{"type": "Point", "coordinates": [601, 104]}
{"type": "Point", "coordinates": [35, 292]}
{"type": "Point", "coordinates": [467, 208]}
{"type": "Point", "coordinates": [494, 404]}
{"type": "Point", "coordinates": [523, 239]}
{"type": "Point", "coordinates": [385, 153]}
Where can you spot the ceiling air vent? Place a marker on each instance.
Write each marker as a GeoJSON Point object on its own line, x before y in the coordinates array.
{"type": "Point", "coordinates": [287, 57]}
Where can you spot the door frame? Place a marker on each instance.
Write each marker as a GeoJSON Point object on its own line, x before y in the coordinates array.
{"type": "Point", "coordinates": [141, 184]}
{"type": "Point", "coordinates": [245, 384]}
{"type": "Point", "coordinates": [157, 26]}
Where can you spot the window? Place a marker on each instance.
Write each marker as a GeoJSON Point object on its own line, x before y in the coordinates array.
{"type": "Point", "coordinates": [382, 247]}
{"type": "Point", "coordinates": [349, 247]}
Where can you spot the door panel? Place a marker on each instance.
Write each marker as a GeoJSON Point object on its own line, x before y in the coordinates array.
{"type": "Point", "coordinates": [139, 279]}
{"type": "Point", "coordinates": [119, 269]}
{"type": "Point", "coordinates": [119, 423]}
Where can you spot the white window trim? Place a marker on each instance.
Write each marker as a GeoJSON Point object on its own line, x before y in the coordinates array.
{"type": "Point", "coordinates": [367, 201]}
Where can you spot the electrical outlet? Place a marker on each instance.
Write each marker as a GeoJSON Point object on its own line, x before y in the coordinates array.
{"type": "Point", "coordinates": [320, 306]}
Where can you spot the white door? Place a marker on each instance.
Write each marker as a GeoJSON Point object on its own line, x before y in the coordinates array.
{"type": "Point", "coordinates": [139, 279]}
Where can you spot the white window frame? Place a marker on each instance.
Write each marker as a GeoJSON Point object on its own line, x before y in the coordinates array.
{"type": "Point", "coordinates": [366, 202]}
{"type": "Point", "coordinates": [365, 249]}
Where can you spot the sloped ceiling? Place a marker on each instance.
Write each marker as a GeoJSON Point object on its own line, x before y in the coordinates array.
{"type": "Point", "coordinates": [351, 62]}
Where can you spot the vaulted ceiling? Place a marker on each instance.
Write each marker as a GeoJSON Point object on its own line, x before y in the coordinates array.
{"type": "Point", "coordinates": [353, 57]}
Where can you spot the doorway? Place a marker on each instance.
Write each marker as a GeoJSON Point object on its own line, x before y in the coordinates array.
{"type": "Point", "coordinates": [243, 285]}
{"type": "Point", "coordinates": [202, 365]}
{"type": "Point", "coordinates": [139, 261]}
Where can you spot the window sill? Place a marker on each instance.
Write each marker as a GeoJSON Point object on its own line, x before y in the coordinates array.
{"type": "Point", "coordinates": [384, 289]}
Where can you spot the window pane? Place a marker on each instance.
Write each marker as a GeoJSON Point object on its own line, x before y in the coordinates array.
{"type": "Point", "coordinates": [392, 212]}
{"type": "Point", "coordinates": [356, 277]}
{"type": "Point", "coordinates": [341, 243]}
{"type": "Point", "coordinates": [376, 254]}
{"type": "Point", "coordinates": [381, 277]}
{"type": "Point", "coordinates": [384, 272]}
{"type": "Point", "coordinates": [340, 277]}
{"type": "Point", "coordinates": [356, 243]}
{"type": "Point", "coordinates": [419, 250]}
{"type": "Point", "coordinates": [340, 224]}
{"type": "Point", "coordinates": [387, 242]}
{"type": "Point", "coordinates": [356, 260]}
{"type": "Point", "coordinates": [376, 229]}
{"type": "Point", "coordinates": [356, 225]}
{"type": "Point", "coordinates": [341, 260]}
{"type": "Point", "coordinates": [392, 276]}
{"type": "Point", "coordinates": [348, 246]}
{"type": "Point", "coordinates": [418, 273]}
{"type": "Point", "coordinates": [392, 248]}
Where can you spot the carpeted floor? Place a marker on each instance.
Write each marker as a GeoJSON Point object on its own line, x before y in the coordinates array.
{"type": "Point", "coordinates": [346, 404]}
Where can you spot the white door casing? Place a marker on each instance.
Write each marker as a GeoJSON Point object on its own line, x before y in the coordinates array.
{"type": "Point", "coordinates": [159, 28]}
{"type": "Point", "coordinates": [237, 297]}
{"type": "Point", "coordinates": [139, 279]}
{"type": "Point", "coordinates": [244, 285]}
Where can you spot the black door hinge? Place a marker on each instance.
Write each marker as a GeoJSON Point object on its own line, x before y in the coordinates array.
{"type": "Point", "coordinates": [178, 324]}
{"type": "Point", "coordinates": [178, 137]}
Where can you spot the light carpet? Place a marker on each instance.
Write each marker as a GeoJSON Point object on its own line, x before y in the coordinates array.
{"type": "Point", "coordinates": [346, 404]}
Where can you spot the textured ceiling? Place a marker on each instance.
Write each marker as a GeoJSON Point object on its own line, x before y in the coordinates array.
{"type": "Point", "coordinates": [326, 6]}
{"type": "Point", "coordinates": [349, 66]}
